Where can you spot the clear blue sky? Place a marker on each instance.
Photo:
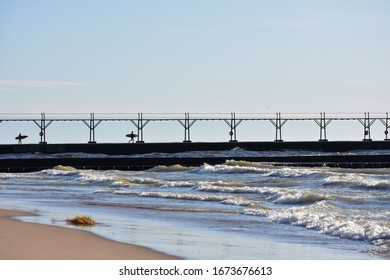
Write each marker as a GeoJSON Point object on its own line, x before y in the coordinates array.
{"type": "Point", "coordinates": [197, 56]}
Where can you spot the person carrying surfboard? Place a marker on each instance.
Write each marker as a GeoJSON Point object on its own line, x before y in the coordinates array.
{"type": "Point", "coordinates": [20, 137]}
{"type": "Point", "coordinates": [131, 136]}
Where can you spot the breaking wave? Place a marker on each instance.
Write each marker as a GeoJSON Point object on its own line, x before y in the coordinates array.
{"type": "Point", "coordinates": [327, 219]}
{"type": "Point", "coordinates": [171, 168]}
{"type": "Point", "coordinates": [232, 166]}
{"type": "Point", "coordinates": [275, 195]}
{"type": "Point", "coordinates": [357, 180]}
{"type": "Point", "coordinates": [224, 199]}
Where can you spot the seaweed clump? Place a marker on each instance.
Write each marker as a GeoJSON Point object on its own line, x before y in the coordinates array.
{"type": "Point", "coordinates": [81, 220]}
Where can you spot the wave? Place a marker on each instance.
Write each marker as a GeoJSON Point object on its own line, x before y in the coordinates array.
{"type": "Point", "coordinates": [298, 197]}
{"type": "Point", "coordinates": [267, 170]}
{"type": "Point", "coordinates": [221, 186]}
{"type": "Point", "coordinates": [382, 249]}
{"type": "Point", "coordinates": [223, 199]}
{"type": "Point", "coordinates": [226, 169]}
{"type": "Point", "coordinates": [274, 195]}
{"type": "Point", "coordinates": [96, 176]}
{"type": "Point", "coordinates": [130, 181]}
{"type": "Point", "coordinates": [61, 170]}
{"type": "Point", "coordinates": [327, 219]}
{"type": "Point", "coordinates": [171, 168]}
{"type": "Point", "coordinates": [108, 178]}
{"type": "Point", "coordinates": [357, 180]}
{"type": "Point", "coordinates": [177, 184]}
{"type": "Point", "coordinates": [247, 163]}
{"type": "Point", "coordinates": [163, 207]}
{"type": "Point", "coordinates": [10, 176]}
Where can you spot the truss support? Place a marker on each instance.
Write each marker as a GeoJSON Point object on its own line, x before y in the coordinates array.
{"type": "Point", "coordinates": [187, 125]}
{"type": "Point", "coordinates": [233, 124]}
{"type": "Point", "coordinates": [42, 126]}
{"type": "Point", "coordinates": [278, 123]}
{"type": "Point", "coordinates": [386, 123]}
{"type": "Point", "coordinates": [92, 126]}
{"type": "Point", "coordinates": [367, 122]}
{"type": "Point", "coordinates": [323, 123]}
{"type": "Point", "coordinates": [140, 124]}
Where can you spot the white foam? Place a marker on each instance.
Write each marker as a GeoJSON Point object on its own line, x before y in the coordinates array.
{"type": "Point", "coordinates": [223, 168]}
{"type": "Point", "coordinates": [131, 181]}
{"type": "Point", "coordinates": [171, 168]}
{"type": "Point", "coordinates": [10, 176]}
{"type": "Point", "coordinates": [265, 169]}
{"type": "Point", "coordinates": [291, 172]}
{"type": "Point", "coordinates": [239, 201]}
{"type": "Point", "coordinates": [358, 180]}
{"type": "Point", "coordinates": [176, 184]}
{"type": "Point", "coordinates": [185, 196]}
{"type": "Point", "coordinates": [61, 170]}
{"type": "Point", "coordinates": [223, 199]}
{"type": "Point", "coordinates": [276, 195]}
{"type": "Point", "coordinates": [327, 219]}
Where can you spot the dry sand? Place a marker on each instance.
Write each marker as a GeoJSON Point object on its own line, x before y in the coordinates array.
{"type": "Point", "coordinates": [28, 241]}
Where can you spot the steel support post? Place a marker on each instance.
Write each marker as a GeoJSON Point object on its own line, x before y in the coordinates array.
{"type": "Point", "coordinates": [42, 126]}
{"type": "Point", "coordinates": [187, 125]}
{"type": "Point", "coordinates": [233, 124]}
{"type": "Point", "coordinates": [92, 129]}
{"type": "Point", "coordinates": [366, 122]}
{"type": "Point", "coordinates": [278, 123]}
{"type": "Point", "coordinates": [323, 123]}
{"type": "Point", "coordinates": [92, 125]}
{"type": "Point", "coordinates": [140, 128]}
{"type": "Point", "coordinates": [386, 123]}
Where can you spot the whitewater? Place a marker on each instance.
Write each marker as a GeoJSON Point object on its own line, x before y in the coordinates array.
{"type": "Point", "coordinates": [235, 210]}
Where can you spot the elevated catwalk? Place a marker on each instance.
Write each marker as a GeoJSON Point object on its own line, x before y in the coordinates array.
{"type": "Point", "coordinates": [233, 121]}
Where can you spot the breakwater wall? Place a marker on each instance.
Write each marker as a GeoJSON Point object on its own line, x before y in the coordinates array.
{"type": "Point", "coordinates": [177, 147]}
{"type": "Point", "coordinates": [123, 163]}
{"type": "Point", "coordinates": [101, 162]}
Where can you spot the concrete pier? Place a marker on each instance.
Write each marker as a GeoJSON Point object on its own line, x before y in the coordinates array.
{"type": "Point", "coordinates": [102, 162]}
{"type": "Point", "coordinates": [177, 147]}
{"type": "Point", "coordinates": [139, 163]}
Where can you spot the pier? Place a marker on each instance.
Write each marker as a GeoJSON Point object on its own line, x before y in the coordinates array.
{"type": "Point", "coordinates": [179, 147]}
{"type": "Point", "coordinates": [140, 120]}
{"type": "Point", "coordinates": [128, 155]}
{"type": "Point", "coordinates": [100, 160]}
{"type": "Point", "coordinates": [139, 163]}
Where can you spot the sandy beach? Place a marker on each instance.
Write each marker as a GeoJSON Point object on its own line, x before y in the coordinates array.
{"type": "Point", "coordinates": [28, 241]}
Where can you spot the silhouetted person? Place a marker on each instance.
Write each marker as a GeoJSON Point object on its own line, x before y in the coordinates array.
{"type": "Point", "coordinates": [20, 137]}
{"type": "Point", "coordinates": [132, 135]}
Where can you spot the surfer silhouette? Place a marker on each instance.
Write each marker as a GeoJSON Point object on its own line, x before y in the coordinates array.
{"type": "Point", "coordinates": [20, 137]}
{"type": "Point", "coordinates": [131, 136]}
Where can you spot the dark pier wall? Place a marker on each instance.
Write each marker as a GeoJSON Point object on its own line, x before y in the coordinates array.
{"type": "Point", "coordinates": [139, 163]}
{"type": "Point", "coordinates": [142, 148]}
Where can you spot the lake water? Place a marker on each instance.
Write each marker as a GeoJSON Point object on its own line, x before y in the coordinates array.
{"type": "Point", "coordinates": [235, 210]}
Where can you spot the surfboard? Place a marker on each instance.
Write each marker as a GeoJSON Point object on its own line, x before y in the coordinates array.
{"type": "Point", "coordinates": [21, 137]}
{"type": "Point", "coordinates": [132, 135]}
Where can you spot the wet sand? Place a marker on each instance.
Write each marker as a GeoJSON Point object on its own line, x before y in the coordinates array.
{"type": "Point", "coordinates": [29, 241]}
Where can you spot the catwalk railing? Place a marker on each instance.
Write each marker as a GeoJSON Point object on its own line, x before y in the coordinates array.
{"type": "Point", "coordinates": [187, 120]}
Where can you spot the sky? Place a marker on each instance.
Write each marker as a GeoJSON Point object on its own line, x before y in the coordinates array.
{"type": "Point", "coordinates": [243, 56]}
